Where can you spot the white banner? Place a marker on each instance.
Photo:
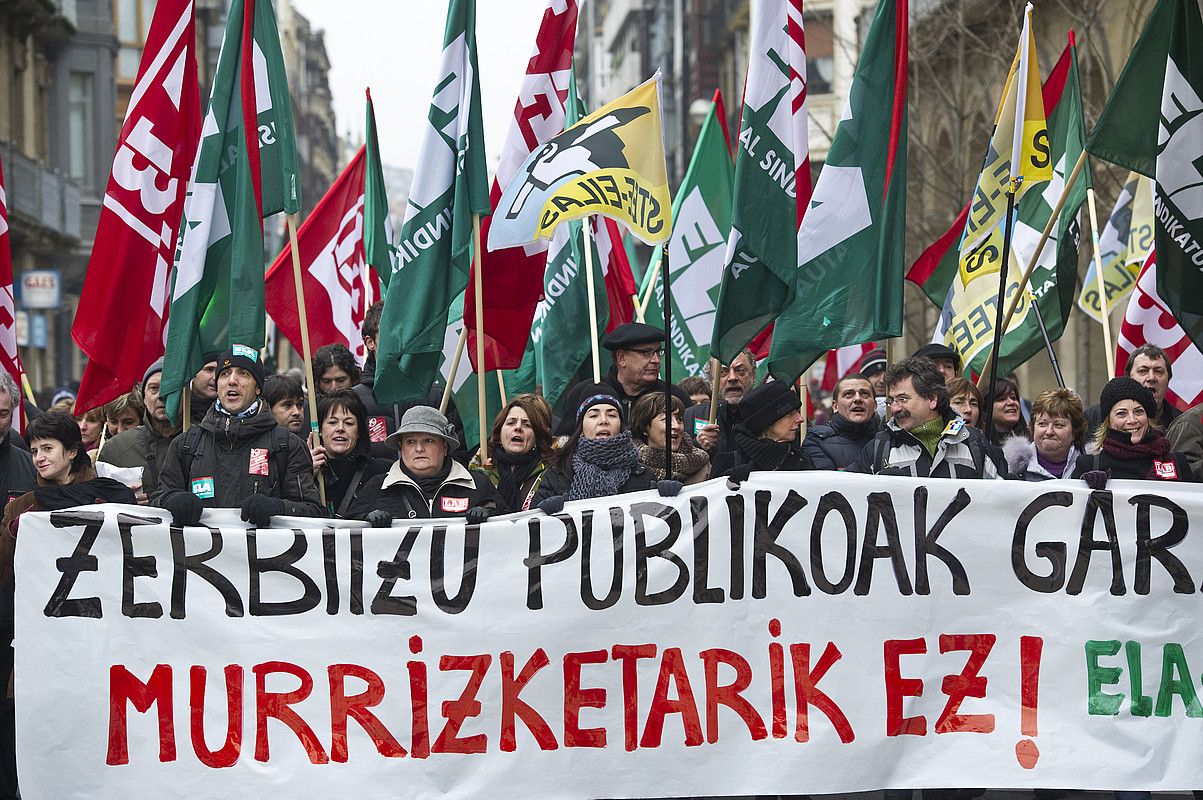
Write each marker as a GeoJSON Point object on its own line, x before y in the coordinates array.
{"type": "Point", "coordinates": [812, 632]}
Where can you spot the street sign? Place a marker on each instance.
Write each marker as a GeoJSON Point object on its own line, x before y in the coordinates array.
{"type": "Point", "coordinates": [41, 288]}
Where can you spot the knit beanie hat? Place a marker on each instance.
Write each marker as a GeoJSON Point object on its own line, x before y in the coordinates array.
{"type": "Point", "coordinates": [151, 371]}
{"type": "Point", "coordinates": [596, 395]}
{"type": "Point", "coordinates": [766, 404]}
{"type": "Point", "coordinates": [239, 355]}
{"type": "Point", "coordinates": [1124, 388]}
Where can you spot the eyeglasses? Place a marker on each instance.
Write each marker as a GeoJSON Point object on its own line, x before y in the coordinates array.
{"type": "Point", "coordinates": [649, 352]}
{"type": "Point", "coordinates": [902, 399]}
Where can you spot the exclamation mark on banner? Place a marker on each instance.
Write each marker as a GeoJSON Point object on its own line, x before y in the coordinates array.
{"type": "Point", "coordinates": [1030, 648]}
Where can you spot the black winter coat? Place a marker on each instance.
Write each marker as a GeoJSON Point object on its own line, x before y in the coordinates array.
{"type": "Point", "coordinates": [383, 420]}
{"type": "Point", "coordinates": [557, 480]}
{"type": "Point", "coordinates": [346, 477]}
{"type": "Point", "coordinates": [398, 494]}
{"type": "Point", "coordinates": [216, 464]}
{"type": "Point", "coordinates": [839, 443]}
{"type": "Point", "coordinates": [1136, 469]}
{"type": "Point", "coordinates": [727, 417]}
{"type": "Point", "coordinates": [17, 475]}
{"type": "Point", "coordinates": [794, 459]}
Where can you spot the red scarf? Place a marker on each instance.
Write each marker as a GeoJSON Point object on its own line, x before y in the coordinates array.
{"type": "Point", "coordinates": [1154, 446]}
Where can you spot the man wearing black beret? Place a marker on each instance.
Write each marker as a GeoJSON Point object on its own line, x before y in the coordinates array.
{"type": "Point", "coordinates": [638, 353]}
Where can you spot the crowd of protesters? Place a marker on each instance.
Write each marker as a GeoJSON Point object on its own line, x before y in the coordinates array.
{"type": "Point", "coordinates": [247, 445]}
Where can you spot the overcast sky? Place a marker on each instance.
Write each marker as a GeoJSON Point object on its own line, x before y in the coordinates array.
{"type": "Point", "coordinates": [394, 47]}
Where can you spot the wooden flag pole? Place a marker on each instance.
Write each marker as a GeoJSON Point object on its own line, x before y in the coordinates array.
{"type": "Point", "coordinates": [306, 353]}
{"type": "Point", "coordinates": [716, 370]}
{"type": "Point", "coordinates": [478, 292]}
{"type": "Point", "coordinates": [803, 389]}
{"type": "Point", "coordinates": [1104, 312]}
{"type": "Point", "coordinates": [501, 387]}
{"type": "Point", "coordinates": [646, 300]}
{"type": "Point", "coordinates": [589, 282]}
{"type": "Point", "coordinates": [459, 353]}
{"type": "Point", "coordinates": [1027, 273]}
{"type": "Point", "coordinates": [186, 406]}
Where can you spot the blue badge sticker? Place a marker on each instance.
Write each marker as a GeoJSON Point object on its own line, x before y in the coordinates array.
{"type": "Point", "coordinates": [203, 488]}
{"type": "Point", "coordinates": [954, 427]}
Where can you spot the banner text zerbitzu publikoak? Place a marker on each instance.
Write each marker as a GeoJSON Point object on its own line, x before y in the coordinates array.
{"type": "Point", "coordinates": [810, 632]}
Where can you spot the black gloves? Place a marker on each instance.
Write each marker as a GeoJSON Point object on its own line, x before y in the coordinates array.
{"type": "Point", "coordinates": [477, 515]}
{"type": "Point", "coordinates": [553, 504]}
{"type": "Point", "coordinates": [184, 507]}
{"type": "Point", "coordinates": [1097, 478]}
{"type": "Point", "coordinates": [379, 519]}
{"type": "Point", "coordinates": [668, 488]}
{"type": "Point", "coordinates": [258, 509]}
{"type": "Point", "coordinates": [737, 476]}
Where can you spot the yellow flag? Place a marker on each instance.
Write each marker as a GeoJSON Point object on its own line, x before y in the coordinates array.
{"type": "Point", "coordinates": [1019, 155]}
{"type": "Point", "coordinates": [610, 163]}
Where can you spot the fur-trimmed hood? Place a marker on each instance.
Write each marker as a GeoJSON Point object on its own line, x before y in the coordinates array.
{"type": "Point", "coordinates": [1022, 464]}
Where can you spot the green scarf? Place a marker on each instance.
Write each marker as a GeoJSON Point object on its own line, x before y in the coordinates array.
{"type": "Point", "coordinates": [929, 433]}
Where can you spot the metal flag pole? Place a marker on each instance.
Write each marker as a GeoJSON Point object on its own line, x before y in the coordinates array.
{"type": "Point", "coordinates": [668, 370]}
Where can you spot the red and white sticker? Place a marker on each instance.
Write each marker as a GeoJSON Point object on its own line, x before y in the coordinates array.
{"type": "Point", "coordinates": [454, 505]}
{"type": "Point", "coordinates": [377, 429]}
{"type": "Point", "coordinates": [258, 461]}
{"type": "Point", "coordinates": [1167, 470]}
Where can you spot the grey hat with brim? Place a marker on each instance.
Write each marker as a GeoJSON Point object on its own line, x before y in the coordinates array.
{"type": "Point", "coordinates": [424, 419]}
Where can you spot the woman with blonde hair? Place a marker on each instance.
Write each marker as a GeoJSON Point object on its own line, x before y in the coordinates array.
{"type": "Point", "coordinates": [1129, 446]}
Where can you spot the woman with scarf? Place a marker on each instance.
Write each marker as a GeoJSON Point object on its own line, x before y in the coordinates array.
{"type": "Point", "coordinates": [1129, 446]}
{"type": "Point", "coordinates": [344, 457]}
{"type": "Point", "coordinates": [520, 448]}
{"type": "Point", "coordinates": [424, 481]}
{"type": "Point", "coordinates": [66, 478]}
{"type": "Point", "coordinates": [766, 439]}
{"type": "Point", "coordinates": [598, 460]}
{"type": "Point", "coordinates": [691, 464]}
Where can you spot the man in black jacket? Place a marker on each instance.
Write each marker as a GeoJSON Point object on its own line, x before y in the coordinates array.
{"type": "Point", "coordinates": [839, 443]}
{"type": "Point", "coordinates": [735, 380]}
{"type": "Point", "coordinates": [638, 353]}
{"type": "Point", "coordinates": [238, 456]}
{"type": "Point", "coordinates": [383, 420]}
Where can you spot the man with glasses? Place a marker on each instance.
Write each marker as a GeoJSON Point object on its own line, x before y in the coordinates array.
{"type": "Point", "coordinates": [735, 380]}
{"type": "Point", "coordinates": [925, 438]}
{"type": "Point", "coordinates": [638, 354]}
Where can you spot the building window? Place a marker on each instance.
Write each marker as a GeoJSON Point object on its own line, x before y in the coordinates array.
{"type": "Point", "coordinates": [820, 40]}
{"type": "Point", "coordinates": [133, 23]}
{"type": "Point", "coordinates": [79, 122]}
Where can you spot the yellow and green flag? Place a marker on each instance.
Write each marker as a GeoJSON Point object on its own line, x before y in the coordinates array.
{"type": "Point", "coordinates": [1124, 244]}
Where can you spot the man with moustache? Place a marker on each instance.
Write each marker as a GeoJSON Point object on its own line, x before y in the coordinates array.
{"type": "Point", "coordinates": [925, 438]}
{"type": "Point", "coordinates": [839, 443]}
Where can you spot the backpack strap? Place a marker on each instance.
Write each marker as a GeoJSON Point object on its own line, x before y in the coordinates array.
{"type": "Point", "coordinates": [279, 452]}
{"type": "Point", "coordinates": [977, 449]}
{"type": "Point", "coordinates": [190, 449]}
{"type": "Point", "coordinates": [881, 448]}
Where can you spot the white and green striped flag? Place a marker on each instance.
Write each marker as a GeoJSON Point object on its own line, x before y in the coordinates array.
{"type": "Point", "coordinates": [450, 186]}
{"type": "Point", "coordinates": [245, 170]}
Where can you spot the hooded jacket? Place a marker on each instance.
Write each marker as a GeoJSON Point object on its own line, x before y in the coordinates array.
{"type": "Point", "coordinates": [839, 443]}
{"type": "Point", "coordinates": [1022, 464]}
{"type": "Point", "coordinates": [228, 459]}
{"type": "Point", "coordinates": [398, 494]}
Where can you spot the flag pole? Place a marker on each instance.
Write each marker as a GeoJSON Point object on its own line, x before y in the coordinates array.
{"type": "Point", "coordinates": [1108, 349]}
{"type": "Point", "coordinates": [186, 406]}
{"type": "Point", "coordinates": [501, 387]}
{"type": "Point", "coordinates": [589, 282]}
{"type": "Point", "coordinates": [307, 354]}
{"type": "Point", "coordinates": [716, 369]}
{"type": "Point", "coordinates": [668, 370]}
{"type": "Point", "coordinates": [459, 353]}
{"type": "Point", "coordinates": [1048, 344]}
{"type": "Point", "coordinates": [478, 291]}
{"type": "Point", "coordinates": [1035, 258]}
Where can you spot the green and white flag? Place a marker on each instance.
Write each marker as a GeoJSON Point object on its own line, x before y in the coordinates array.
{"type": "Point", "coordinates": [772, 181]}
{"type": "Point", "coordinates": [245, 170]}
{"type": "Point", "coordinates": [450, 186]}
{"type": "Point", "coordinates": [852, 240]}
{"type": "Point", "coordinates": [463, 389]}
{"type": "Point", "coordinates": [378, 249]}
{"type": "Point", "coordinates": [701, 225]}
{"type": "Point", "coordinates": [1124, 244]}
{"type": "Point", "coordinates": [969, 329]}
{"type": "Point", "coordinates": [1153, 124]}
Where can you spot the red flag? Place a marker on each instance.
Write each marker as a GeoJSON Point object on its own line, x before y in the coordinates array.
{"type": "Point", "coordinates": [123, 307]}
{"type": "Point", "coordinates": [337, 283]}
{"type": "Point", "coordinates": [513, 277]}
{"type": "Point", "coordinates": [1149, 321]}
{"type": "Point", "coordinates": [842, 361]}
{"type": "Point", "coordinates": [10, 359]}
{"type": "Point", "coordinates": [616, 267]}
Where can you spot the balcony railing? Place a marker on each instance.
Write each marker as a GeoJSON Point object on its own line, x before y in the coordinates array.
{"type": "Point", "coordinates": [40, 195]}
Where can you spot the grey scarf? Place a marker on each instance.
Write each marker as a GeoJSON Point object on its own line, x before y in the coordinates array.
{"type": "Point", "coordinates": [601, 466]}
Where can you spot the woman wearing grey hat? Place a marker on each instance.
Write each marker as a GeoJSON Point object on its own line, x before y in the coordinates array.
{"type": "Point", "coordinates": [424, 481]}
{"type": "Point", "coordinates": [598, 460]}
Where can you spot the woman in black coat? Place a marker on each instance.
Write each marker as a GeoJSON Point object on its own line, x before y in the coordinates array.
{"type": "Point", "coordinates": [1129, 446]}
{"type": "Point", "coordinates": [766, 439]}
{"type": "Point", "coordinates": [598, 460]}
{"type": "Point", "coordinates": [344, 457]}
